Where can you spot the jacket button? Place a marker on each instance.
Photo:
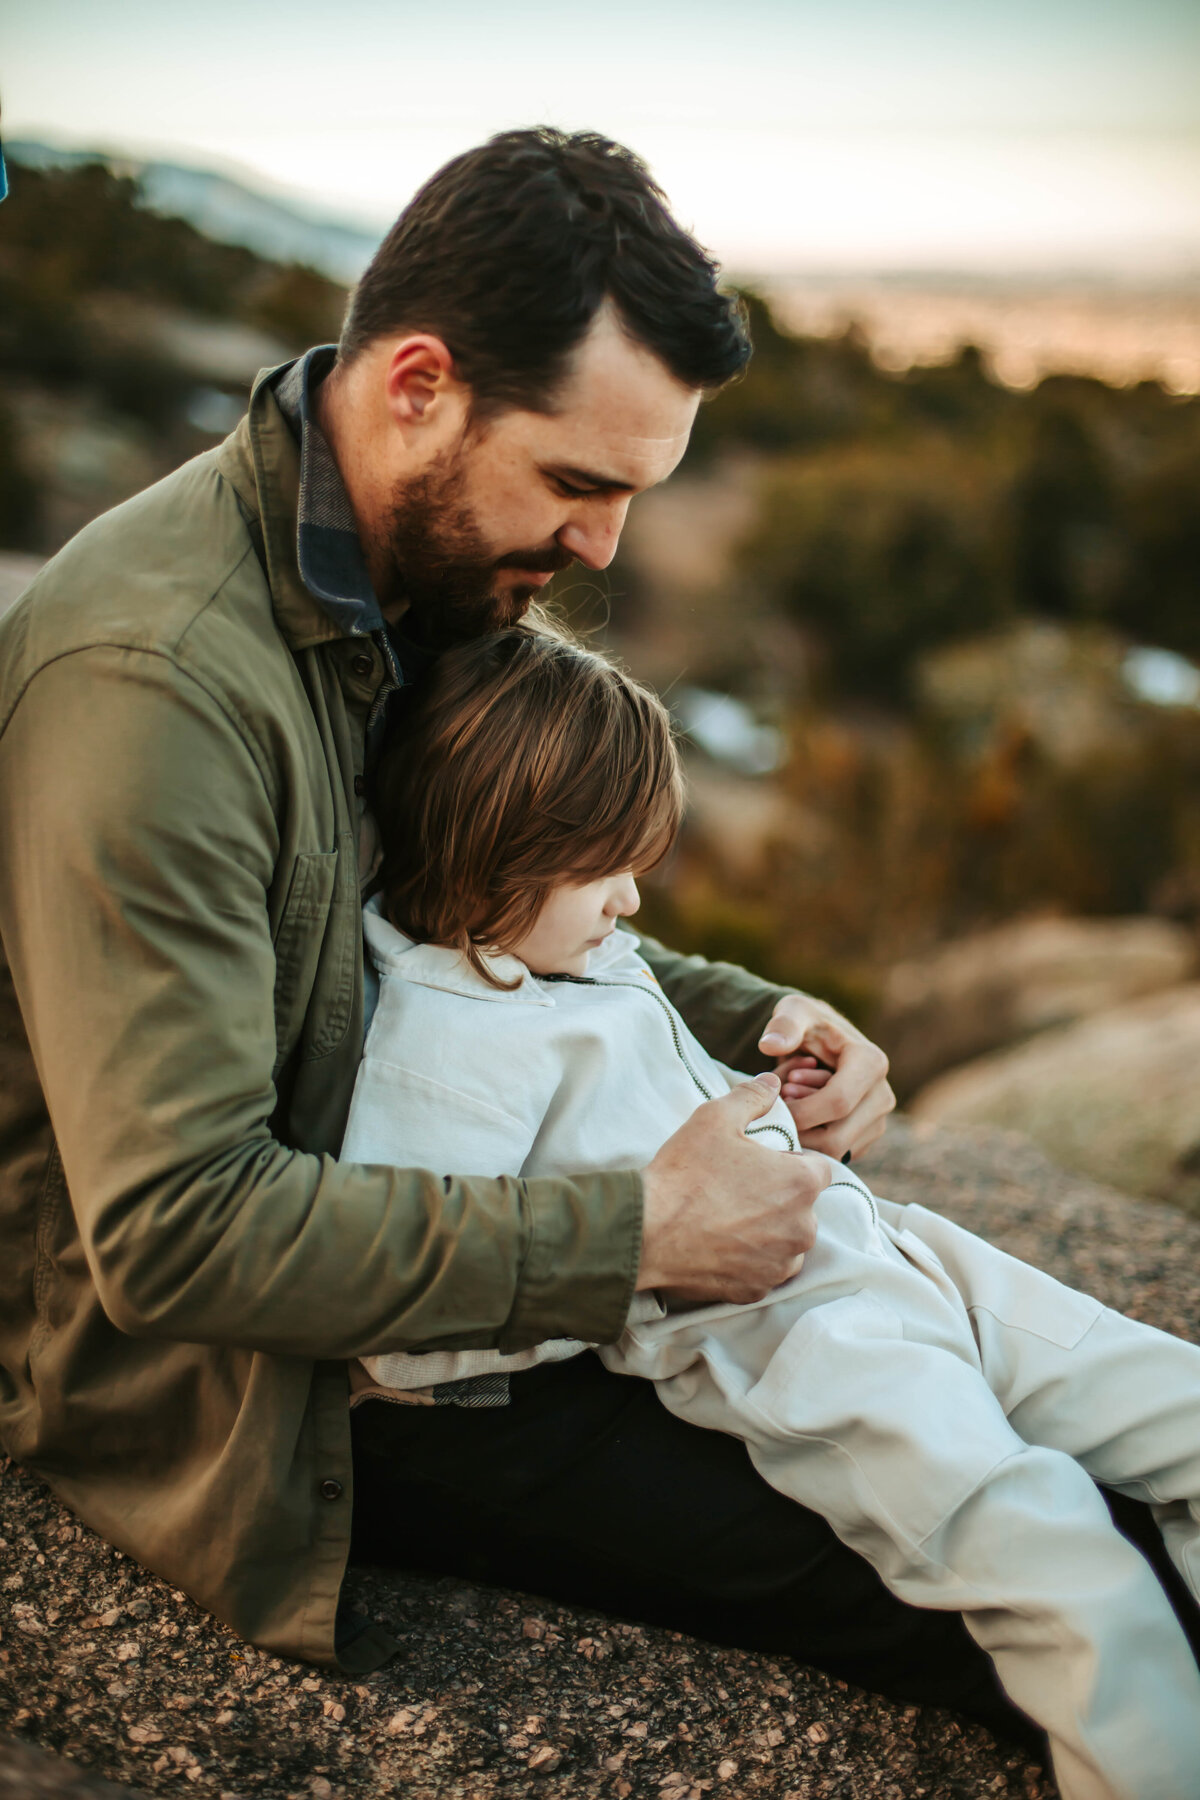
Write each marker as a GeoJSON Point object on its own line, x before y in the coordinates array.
{"type": "Point", "coordinates": [362, 664]}
{"type": "Point", "coordinates": [330, 1489]}
{"type": "Point", "coordinates": [360, 786]}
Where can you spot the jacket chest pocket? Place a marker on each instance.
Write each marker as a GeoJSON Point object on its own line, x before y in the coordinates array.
{"type": "Point", "coordinates": [316, 947]}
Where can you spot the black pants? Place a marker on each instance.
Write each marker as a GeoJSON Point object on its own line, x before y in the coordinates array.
{"type": "Point", "coordinates": [585, 1489]}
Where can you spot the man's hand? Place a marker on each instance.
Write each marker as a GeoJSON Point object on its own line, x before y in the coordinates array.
{"type": "Point", "coordinates": [834, 1079]}
{"type": "Point", "coordinates": [726, 1218]}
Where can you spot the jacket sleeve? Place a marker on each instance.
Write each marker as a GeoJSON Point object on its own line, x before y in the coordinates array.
{"type": "Point", "coordinates": [725, 1006]}
{"type": "Point", "coordinates": [139, 843]}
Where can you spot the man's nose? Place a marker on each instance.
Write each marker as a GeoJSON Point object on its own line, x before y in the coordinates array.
{"type": "Point", "coordinates": [592, 535]}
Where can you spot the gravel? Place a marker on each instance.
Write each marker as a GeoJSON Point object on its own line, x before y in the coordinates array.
{"type": "Point", "coordinates": [498, 1694]}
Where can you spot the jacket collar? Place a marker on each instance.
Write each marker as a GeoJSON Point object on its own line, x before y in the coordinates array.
{"type": "Point", "coordinates": [296, 506]}
{"type": "Point", "coordinates": [328, 549]}
{"type": "Point", "coordinates": [261, 461]}
{"type": "Point", "coordinates": [435, 966]}
{"type": "Point", "coordinates": [280, 465]}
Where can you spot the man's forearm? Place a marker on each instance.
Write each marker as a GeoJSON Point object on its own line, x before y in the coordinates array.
{"type": "Point", "coordinates": [301, 1256]}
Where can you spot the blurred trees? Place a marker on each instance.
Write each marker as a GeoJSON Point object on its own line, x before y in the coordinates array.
{"type": "Point", "coordinates": [1024, 777]}
{"type": "Point", "coordinates": [964, 567]}
{"type": "Point", "coordinates": [69, 235]}
{"type": "Point", "coordinates": [18, 491]}
{"type": "Point", "coordinates": [1162, 587]}
{"type": "Point", "coordinates": [899, 512]}
{"type": "Point", "coordinates": [940, 580]}
{"type": "Point", "coordinates": [93, 289]}
{"type": "Point", "coordinates": [882, 550]}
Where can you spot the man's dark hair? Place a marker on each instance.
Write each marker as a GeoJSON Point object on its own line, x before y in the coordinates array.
{"type": "Point", "coordinates": [509, 251]}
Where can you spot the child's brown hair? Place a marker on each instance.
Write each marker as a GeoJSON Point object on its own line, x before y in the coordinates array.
{"type": "Point", "coordinates": [523, 762]}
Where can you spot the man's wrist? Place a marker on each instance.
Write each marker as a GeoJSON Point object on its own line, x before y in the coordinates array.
{"type": "Point", "coordinates": [580, 1269]}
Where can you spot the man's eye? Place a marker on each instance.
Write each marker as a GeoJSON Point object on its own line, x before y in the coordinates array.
{"type": "Point", "coordinates": [568, 488]}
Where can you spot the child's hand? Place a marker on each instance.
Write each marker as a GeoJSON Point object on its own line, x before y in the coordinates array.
{"type": "Point", "coordinates": [834, 1079]}
{"type": "Point", "coordinates": [801, 1076]}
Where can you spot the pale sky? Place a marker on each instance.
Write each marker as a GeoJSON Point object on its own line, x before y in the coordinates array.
{"type": "Point", "coordinates": [991, 134]}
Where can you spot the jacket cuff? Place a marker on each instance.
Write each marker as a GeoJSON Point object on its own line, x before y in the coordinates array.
{"type": "Point", "coordinates": [580, 1268]}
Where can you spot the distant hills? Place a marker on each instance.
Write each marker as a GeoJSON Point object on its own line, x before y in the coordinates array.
{"type": "Point", "coordinates": [128, 338]}
{"type": "Point", "coordinates": [1121, 329]}
{"type": "Point", "coordinates": [225, 209]}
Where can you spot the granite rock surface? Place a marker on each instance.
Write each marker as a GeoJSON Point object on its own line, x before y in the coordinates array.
{"type": "Point", "coordinates": [1001, 986]}
{"type": "Point", "coordinates": [107, 1676]}
{"type": "Point", "coordinates": [1114, 1095]}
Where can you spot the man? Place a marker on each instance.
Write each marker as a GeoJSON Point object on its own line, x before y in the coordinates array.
{"type": "Point", "coordinates": [190, 697]}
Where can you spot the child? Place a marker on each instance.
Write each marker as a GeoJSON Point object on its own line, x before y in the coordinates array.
{"type": "Point", "coordinates": [943, 1405]}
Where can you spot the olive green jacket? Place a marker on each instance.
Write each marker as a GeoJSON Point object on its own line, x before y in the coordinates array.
{"type": "Point", "coordinates": [185, 1267]}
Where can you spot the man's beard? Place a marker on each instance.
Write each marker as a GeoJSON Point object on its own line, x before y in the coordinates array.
{"type": "Point", "coordinates": [442, 567]}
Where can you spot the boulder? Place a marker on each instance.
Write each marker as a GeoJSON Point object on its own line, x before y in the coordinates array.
{"type": "Point", "coordinates": [499, 1695]}
{"type": "Point", "coordinates": [996, 987]}
{"type": "Point", "coordinates": [1114, 1096]}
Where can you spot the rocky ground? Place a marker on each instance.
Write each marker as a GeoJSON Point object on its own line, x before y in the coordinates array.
{"type": "Point", "coordinates": [498, 1694]}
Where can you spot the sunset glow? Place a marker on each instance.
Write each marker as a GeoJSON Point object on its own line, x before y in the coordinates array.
{"type": "Point", "coordinates": [793, 136]}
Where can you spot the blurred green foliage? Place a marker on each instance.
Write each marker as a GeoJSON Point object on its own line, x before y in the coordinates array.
{"type": "Point", "coordinates": [19, 508]}
{"type": "Point", "coordinates": [901, 511]}
{"type": "Point", "coordinates": [894, 833]}
{"type": "Point", "coordinates": [882, 550]}
{"type": "Point", "coordinates": [73, 241]}
{"type": "Point", "coordinates": [699, 919]}
{"type": "Point", "coordinates": [964, 563]}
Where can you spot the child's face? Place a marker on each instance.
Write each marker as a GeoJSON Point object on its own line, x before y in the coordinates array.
{"type": "Point", "coordinates": [574, 919]}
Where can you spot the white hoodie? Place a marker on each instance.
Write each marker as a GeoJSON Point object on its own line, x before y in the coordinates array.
{"type": "Point", "coordinates": [560, 1075]}
{"type": "Point", "coordinates": [859, 1385]}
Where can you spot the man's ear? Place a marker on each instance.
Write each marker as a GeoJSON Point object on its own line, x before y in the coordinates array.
{"type": "Point", "coordinates": [420, 372]}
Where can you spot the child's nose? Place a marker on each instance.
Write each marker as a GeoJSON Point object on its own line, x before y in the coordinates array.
{"type": "Point", "coordinates": [626, 899]}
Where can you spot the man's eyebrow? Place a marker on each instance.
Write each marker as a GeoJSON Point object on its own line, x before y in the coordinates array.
{"type": "Point", "coordinates": [590, 478]}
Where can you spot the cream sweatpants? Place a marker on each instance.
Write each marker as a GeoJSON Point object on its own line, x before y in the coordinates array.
{"type": "Point", "coordinates": [948, 1409]}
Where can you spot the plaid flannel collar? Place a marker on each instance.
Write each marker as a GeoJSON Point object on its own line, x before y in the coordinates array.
{"type": "Point", "coordinates": [328, 550]}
